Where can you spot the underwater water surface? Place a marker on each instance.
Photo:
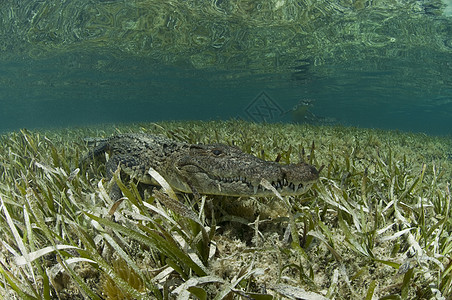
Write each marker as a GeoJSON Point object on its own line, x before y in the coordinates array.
{"type": "Point", "coordinates": [366, 64]}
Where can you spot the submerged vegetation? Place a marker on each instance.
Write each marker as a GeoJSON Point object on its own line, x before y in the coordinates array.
{"type": "Point", "coordinates": [375, 226]}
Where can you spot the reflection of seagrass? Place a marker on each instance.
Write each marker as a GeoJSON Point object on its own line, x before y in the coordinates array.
{"type": "Point", "coordinates": [258, 34]}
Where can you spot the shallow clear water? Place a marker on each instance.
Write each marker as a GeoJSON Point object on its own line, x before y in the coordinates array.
{"type": "Point", "coordinates": [390, 85]}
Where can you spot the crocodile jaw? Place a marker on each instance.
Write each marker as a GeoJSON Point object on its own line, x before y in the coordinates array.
{"type": "Point", "coordinates": [238, 188]}
{"type": "Point", "coordinates": [225, 170]}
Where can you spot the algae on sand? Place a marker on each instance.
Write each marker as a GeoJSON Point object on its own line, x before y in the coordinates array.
{"type": "Point", "coordinates": [376, 223]}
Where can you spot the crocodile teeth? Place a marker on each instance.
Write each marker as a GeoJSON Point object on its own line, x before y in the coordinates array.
{"type": "Point", "coordinates": [240, 179]}
{"type": "Point", "coordinates": [297, 187]}
{"type": "Point", "coordinates": [255, 189]}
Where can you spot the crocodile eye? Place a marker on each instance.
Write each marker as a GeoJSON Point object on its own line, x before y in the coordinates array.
{"type": "Point", "coordinates": [217, 151]}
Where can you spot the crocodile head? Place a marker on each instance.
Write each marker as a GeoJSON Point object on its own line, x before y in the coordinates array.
{"type": "Point", "coordinates": [224, 170]}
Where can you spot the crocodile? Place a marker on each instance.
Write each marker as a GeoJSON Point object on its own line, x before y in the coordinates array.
{"type": "Point", "coordinates": [211, 169]}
